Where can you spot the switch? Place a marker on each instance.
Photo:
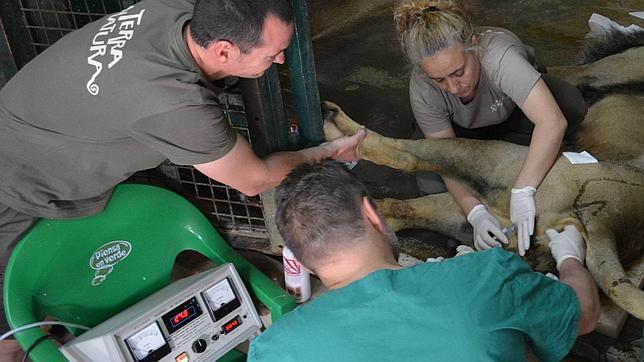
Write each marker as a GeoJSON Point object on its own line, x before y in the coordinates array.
{"type": "Point", "coordinates": [182, 357]}
{"type": "Point", "coordinates": [199, 345]}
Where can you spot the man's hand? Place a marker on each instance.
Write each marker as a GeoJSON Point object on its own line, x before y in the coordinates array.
{"type": "Point", "coordinates": [346, 148]}
{"type": "Point", "coordinates": [485, 224]}
{"type": "Point", "coordinates": [522, 213]}
{"type": "Point", "coordinates": [566, 244]}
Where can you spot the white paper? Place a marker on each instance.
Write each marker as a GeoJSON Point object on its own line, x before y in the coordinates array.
{"type": "Point", "coordinates": [579, 158]}
{"type": "Point", "coordinates": [638, 14]}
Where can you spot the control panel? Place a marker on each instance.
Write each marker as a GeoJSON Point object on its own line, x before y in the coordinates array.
{"type": "Point", "coordinates": [198, 318]}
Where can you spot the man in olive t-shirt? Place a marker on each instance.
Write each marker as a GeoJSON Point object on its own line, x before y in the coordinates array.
{"type": "Point", "coordinates": [483, 306]}
{"type": "Point", "coordinates": [128, 91]}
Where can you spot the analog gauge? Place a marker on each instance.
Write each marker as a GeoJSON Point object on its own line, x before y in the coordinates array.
{"type": "Point", "coordinates": [146, 341]}
{"type": "Point", "coordinates": [219, 295]}
{"type": "Point", "coordinates": [221, 299]}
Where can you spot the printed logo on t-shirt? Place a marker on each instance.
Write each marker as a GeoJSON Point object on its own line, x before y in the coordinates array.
{"type": "Point", "coordinates": [498, 103]}
{"type": "Point", "coordinates": [107, 44]}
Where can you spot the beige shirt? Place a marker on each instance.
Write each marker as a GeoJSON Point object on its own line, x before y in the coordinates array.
{"type": "Point", "coordinates": [507, 76]}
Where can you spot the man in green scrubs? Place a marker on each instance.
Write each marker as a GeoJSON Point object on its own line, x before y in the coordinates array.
{"type": "Point", "coordinates": [486, 305]}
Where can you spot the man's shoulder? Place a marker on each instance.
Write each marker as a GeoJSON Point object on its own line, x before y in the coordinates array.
{"type": "Point", "coordinates": [294, 330]}
{"type": "Point", "coordinates": [492, 258]}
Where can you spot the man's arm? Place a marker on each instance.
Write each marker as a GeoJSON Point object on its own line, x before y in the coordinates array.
{"type": "Point", "coordinates": [241, 169]}
{"type": "Point", "coordinates": [575, 275]}
{"type": "Point", "coordinates": [569, 250]}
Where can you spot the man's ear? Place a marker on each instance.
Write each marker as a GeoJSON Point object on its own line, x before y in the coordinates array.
{"type": "Point", "coordinates": [224, 51]}
{"type": "Point", "coordinates": [369, 211]}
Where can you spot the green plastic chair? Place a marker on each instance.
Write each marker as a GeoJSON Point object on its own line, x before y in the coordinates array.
{"type": "Point", "coordinates": [55, 270]}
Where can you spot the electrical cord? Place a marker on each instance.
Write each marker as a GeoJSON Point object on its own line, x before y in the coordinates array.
{"type": "Point", "coordinates": [34, 345]}
{"type": "Point", "coordinates": [43, 323]}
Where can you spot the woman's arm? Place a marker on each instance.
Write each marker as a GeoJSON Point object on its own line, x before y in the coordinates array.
{"type": "Point", "coordinates": [483, 223]}
{"type": "Point", "coordinates": [549, 128]}
{"type": "Point", "coordinates": [465, 198]}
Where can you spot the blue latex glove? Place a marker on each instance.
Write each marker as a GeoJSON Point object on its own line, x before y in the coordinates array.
{"type": "Point", "coordinates": [522, 214]}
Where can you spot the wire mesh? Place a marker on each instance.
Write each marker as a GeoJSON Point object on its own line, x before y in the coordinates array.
{"type": "Point", "coordinates": [227, 208]}
{"type": "Point", "coordinates": [49, 20]}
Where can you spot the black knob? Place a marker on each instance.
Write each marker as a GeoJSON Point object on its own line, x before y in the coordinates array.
{"type": "Point", "coordinates": [215, 337]}
{"type": "Point", "coordinates": [199, 345]}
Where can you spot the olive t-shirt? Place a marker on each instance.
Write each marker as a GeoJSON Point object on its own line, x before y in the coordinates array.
{"type": "Point", "coordinates": [507, 76]}
{"type": "Point", "coordinates": [119, 95]}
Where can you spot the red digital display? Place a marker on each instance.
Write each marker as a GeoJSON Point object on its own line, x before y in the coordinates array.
{"type": "Point", "coordinates": [177, 319]}
{"type": "Point", "coordinates": [182, 315]}
{"type": "Point", "coordinates": [230, 326]}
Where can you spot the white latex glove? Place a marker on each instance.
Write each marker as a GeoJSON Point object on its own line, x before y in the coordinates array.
{"type": "Point", "coordinates": [522, 213]}
{"type": "Point", "coordinates": [460, 251]}
{"type": "Point", "coordinates": [566, 244]}
{"type": "Point", "coordinates": [435, 260]}
{"type": "Point", "coordinates": [485, 224]}
{"type": "Point", "coordinates": [463, 250]}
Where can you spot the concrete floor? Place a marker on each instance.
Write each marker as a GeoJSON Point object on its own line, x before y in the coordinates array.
{"type": "Point", "coordinates": [360, 67]}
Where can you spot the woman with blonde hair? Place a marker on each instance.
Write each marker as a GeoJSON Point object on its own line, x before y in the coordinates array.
{"type": "Point", "coordinates": [482, 83]}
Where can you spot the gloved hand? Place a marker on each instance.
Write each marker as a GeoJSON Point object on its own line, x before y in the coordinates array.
{"type": "Point", "coordinates": [460, 251]}
{"type": "Point", "coordinates": [566, 244]}
{"type": "Point", "coordinates": [522, 213]}
{"type": "Point", "coordinates": [435, 260]}
{"type": "Point", "coordinates": [463, 250]}
{"type": "Point", "coordinates": [484, 223]}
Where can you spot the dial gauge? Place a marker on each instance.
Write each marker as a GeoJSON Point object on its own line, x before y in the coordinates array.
{"type": "Point", "coordinates": [146, 341]}
{"type": "Point", "coordinates": [219, 295]}
{"type": "Point", "coordinates": [221, 299]}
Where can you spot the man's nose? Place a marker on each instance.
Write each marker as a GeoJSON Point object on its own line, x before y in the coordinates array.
{"type": "Point", "coordinates": [280, 58]}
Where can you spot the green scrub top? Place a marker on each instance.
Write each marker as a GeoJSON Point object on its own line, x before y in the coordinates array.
{"type": "Point", "coordinates": [482, 306]}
